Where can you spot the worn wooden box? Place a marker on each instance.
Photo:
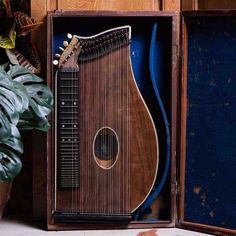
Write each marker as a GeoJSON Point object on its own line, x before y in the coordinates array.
{"type": "Point", "coordinates": [59, 24]}
{"type": "Point", "coordinates": [199, 191]}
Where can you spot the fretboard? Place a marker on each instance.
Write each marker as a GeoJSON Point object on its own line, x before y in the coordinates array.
{"type": "Point", "coordinates": [68, 128]}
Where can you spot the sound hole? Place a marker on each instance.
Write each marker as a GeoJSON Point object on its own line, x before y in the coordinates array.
{"type": "Point", "coordinates": [106, 147]}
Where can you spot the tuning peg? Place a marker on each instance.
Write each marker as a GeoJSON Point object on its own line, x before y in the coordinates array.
{"type": "Point", "coordinates": [65, 43]}
{"type": "Point", "coordinates": [57, 55]}
{"type": "Point", "coordinates": [69, 36]}
{"type": "Point", "coordinates": [55, 62]}
{"type": "Point", "coordinates": [62, 49]}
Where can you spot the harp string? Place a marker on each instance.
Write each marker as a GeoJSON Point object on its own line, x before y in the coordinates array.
{"type": "Point", "coordinates": [92, 68]}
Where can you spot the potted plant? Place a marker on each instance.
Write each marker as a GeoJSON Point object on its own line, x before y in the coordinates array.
{"type": "Point", "coordinates": [24, 104]}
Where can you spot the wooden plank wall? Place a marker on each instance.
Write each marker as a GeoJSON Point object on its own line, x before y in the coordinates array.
{"type": "Point", "coordinates": [38, 11]}
{"type": "Point", "coordinates": [208, 5]}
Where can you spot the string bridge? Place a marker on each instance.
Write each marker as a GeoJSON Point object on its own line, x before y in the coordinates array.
{"type": "Point", "coordinates": [91, 218]}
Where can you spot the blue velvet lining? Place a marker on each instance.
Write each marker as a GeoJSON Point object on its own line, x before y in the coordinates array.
{"type": "Point", "coordinates": [156, 91]}
{"type": "Point", "coordinates": [210, 186]}
{"type": "Point", "coordinates": [155, 67]}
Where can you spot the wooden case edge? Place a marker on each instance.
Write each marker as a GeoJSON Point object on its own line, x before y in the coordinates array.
{"type": "Point", "coordinates": [174, 78]}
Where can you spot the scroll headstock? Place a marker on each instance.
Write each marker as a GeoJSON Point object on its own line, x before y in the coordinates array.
{"type": "Point", "coordinates": [70, 52]}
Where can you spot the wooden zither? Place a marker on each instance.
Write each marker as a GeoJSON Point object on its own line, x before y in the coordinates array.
{"type": "Point", "coordinates": [106, 145]}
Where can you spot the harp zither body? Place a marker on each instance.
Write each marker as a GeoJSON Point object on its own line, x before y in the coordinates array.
{"type": "Point", "coordinates": [106, 145]}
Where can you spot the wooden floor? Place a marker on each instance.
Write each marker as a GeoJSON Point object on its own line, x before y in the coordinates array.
{"type": "Point", "coordinates": [24, 227]}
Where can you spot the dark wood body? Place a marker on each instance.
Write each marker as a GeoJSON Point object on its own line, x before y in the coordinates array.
{"type": "Point", "coordinates": [50, 187]}
{"type": "Point", "coordinates": [110, 98]}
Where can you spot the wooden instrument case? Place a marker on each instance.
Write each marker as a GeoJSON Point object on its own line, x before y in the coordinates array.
{"type": "Point", "coordinates": [178, 115]}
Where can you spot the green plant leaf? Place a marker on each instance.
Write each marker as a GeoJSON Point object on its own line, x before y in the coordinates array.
{"type": "Point", "coordinates": [15, 132]}
{"type": "Point", "coordinates": [9, 110]}
{"type": "Point", "coordinates": [5, 82]}
{"type": "Point", "coordinates": [40, 111]}
{"type": "Point", "coordinates": [8, 40]}
{"type": "Point", "coordinates": [22, 94]}
{"type": "Point", "coordinates": [5, 127]}
{"type": "Point", "coordinates": [28, 78]}
{"type": "Point", "coordinates": [15, 144]}
{"type": "Point", "coordinates": [10, 164]}
{"type": "Point", "coordinates": [26, 115]}
{"type": "Point", "coordinates": [17, 70]}
{"type": "Point", "coordinates": [3, 67]}
{"type": "Point", "coordinates": [13, 97]}
{"type": "Point", "coordinates": [14, 141]}
{"type": "Point", "coordinates": [41, 94]}
{"type": "Point", "coordinates": [39, 123]}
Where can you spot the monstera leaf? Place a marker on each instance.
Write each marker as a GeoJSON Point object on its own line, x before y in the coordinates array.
{"type": "Point", "coordinates": [39, 123]}
{"type": "Point", "coordinates": [10, 164]}
{"type": "Point", "coordinates": [14, 141]}
{"type": "Point", "coordinates": [5, 127]}
{"type": "Point", "coordinates": [24, 105]}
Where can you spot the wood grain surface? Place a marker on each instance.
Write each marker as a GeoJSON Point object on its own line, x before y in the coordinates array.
{"type": "Point", "coordinates": [109, 5]}
{"type": "Point", "coordinates": [188, 5]}
{"type": "Point", "coordinates": [110, 98]}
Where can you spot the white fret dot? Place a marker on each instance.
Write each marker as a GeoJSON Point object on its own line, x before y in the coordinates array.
{"type": "Point", "coordinates": [69, 139]}
{"type": "Point", "coordinates": [62, 103]}
{"type": "Point", "coordinates": [75, 103]}
{"type": "Point", "coordinates": [75, 139]}
{"type": "Point", "coordinates": [63, 126]}
{"type": "Point", "coordinates": [75, 126]}
{"type": "Point", "coordinates": [63, 140]}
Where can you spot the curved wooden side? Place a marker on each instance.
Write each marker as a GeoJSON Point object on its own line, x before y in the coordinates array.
{"type": "Point", "coordinates": [145, 151]}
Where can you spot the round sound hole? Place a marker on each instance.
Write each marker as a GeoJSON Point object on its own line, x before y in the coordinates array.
{"type": "Point", "coordinates": [106, 147]}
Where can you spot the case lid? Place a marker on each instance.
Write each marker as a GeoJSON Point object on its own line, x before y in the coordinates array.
{"type": "Point", "coordinates": [207, 199]}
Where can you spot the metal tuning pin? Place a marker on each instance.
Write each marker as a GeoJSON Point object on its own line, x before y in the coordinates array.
{"type": "Point", "coordinates": [69, 36]}
{"type": "Point", "coordinates": [57, 55]}
{"type": "Point", "coordinates": [55, 62]}
{"type": "Point", "coordinates": [62, 49]}
{"type": "Point", "coordinates": [65, 43]}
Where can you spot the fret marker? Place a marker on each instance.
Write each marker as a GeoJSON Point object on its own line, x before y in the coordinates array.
{"type": "Point", "coordinates": [63, 126]}
{"type": "Point", "coordinates": [75, 103]}
{"type": "Point", "coordinates": [75, 126]}
{"type": "Point", "coordinates": [69, 139]}
{"type": "Point", "coordinates": [63, 140]}
{"type": "Point", "coordinates": [62, 103]}
{"type": "Point", "coordinates": [75, 139]}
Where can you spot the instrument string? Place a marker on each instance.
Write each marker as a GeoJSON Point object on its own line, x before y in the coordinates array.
{"type": "Point", "coordinates": [109, 137]}
{"type": "Point", "coordinates": [82, 131]}
{"type": "Point", "coordinates": [110, 141]}
{"type": "Point", "coordinates": [95, 76]}
{"type": "Point", "coordinates": [118, 125]}
{"type": "Point", "coordinates": [104, 124]}
{"type": "Point", "coordinates": [107, 55]}
{"type": "Point", "coordinates": [84, 169]}
{"type": "Point", "coordinates": [97, 118]}
{"type": "Point", "coordinates": [128, 120]}
{"type": "Point", "coordinates": [76, 125]}
{"type": "Point", "coordinates": [90, 168]}
{"type": "Point", "coordinates": [72, 131]}
{"type": "Point", "coordinates": [108, 122]}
